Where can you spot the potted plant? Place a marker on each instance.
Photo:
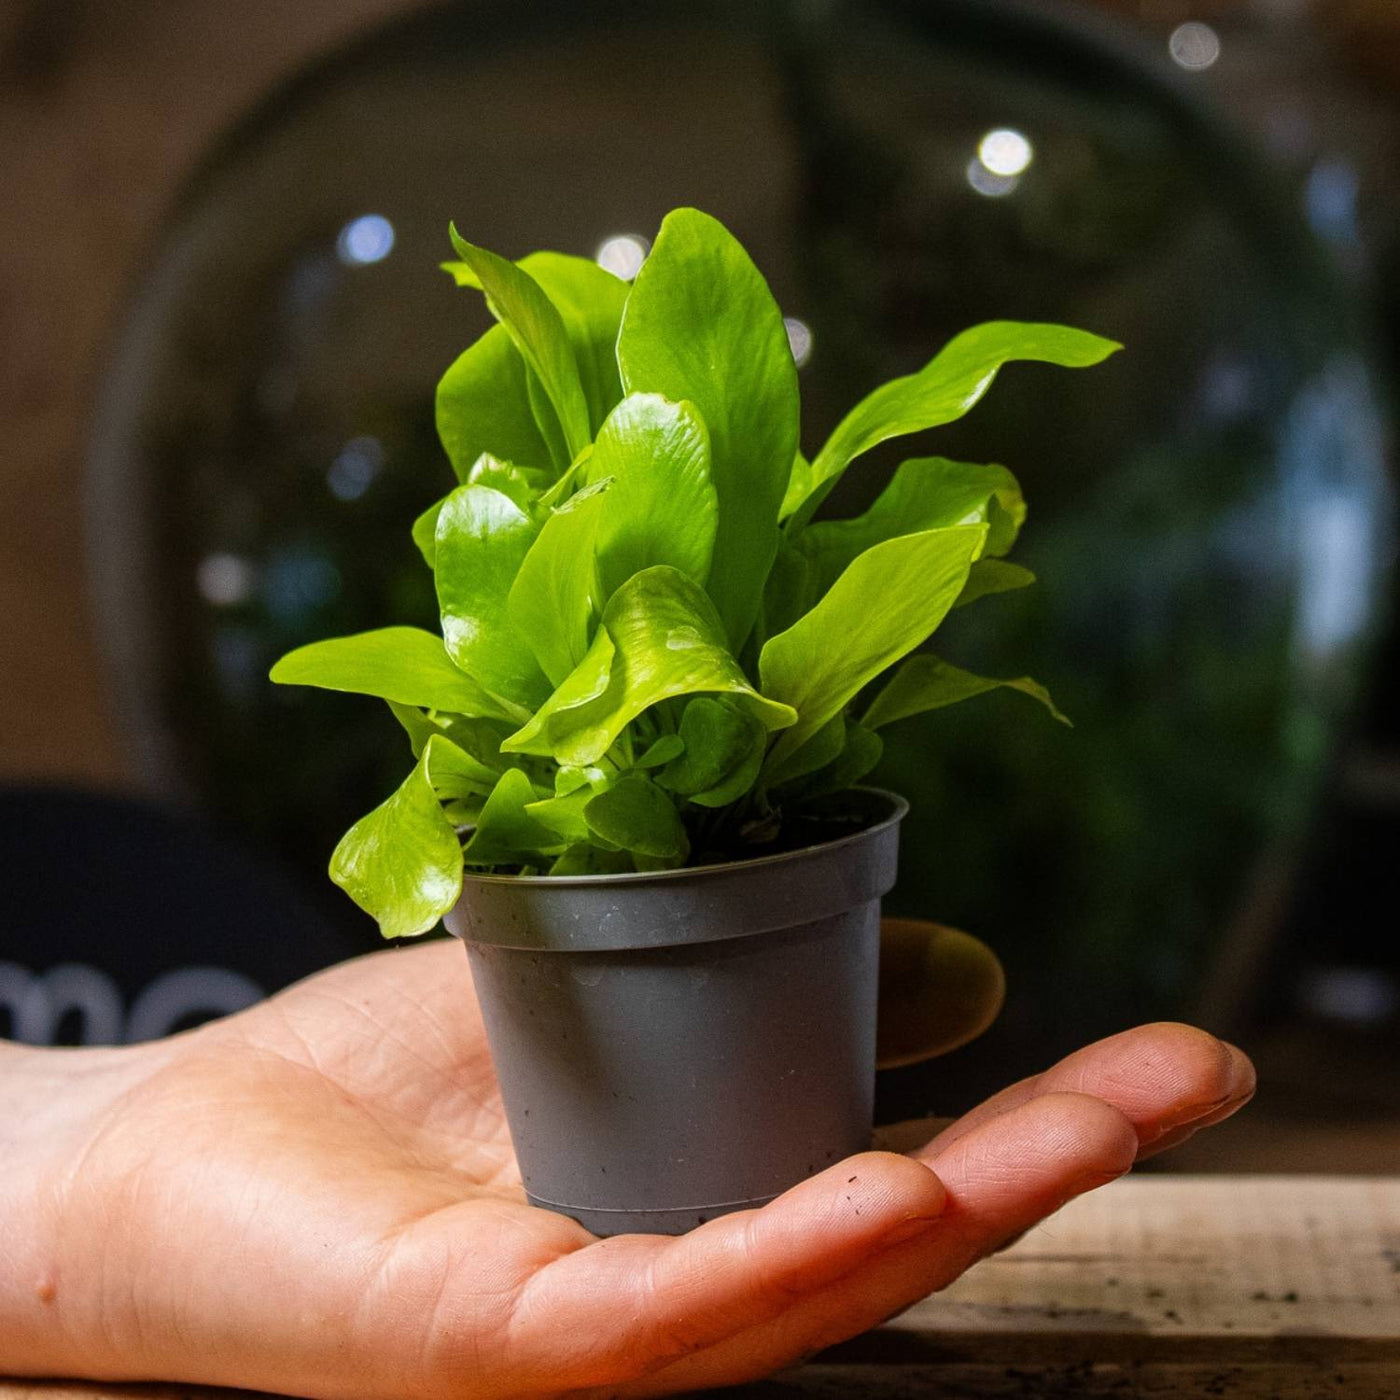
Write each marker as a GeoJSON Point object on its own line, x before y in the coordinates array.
{"type": "Point", "coordinates": [640, 735]}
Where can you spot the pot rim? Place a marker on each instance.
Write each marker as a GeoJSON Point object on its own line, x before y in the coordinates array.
{"type": "Point", "coordinates": [898, 810]}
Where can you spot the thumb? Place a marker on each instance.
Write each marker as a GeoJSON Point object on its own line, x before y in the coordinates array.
{"type": "Point", "coordinates": [939, 988]}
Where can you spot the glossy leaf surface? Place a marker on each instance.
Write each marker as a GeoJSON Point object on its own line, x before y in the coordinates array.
{"type": "Point", "coordinates": [405, 664]}
{"type": "Point", "coordinates": [589, 300]}
{"type": "Point", "coordinates": [483, 405]}
{"type": "Point", "coordinates": [522, 484]}
{"type": "Point", "coordinates": [551, 603]}
{"type": "Point", "coordinates": [568, 727]}
{"type": "Point", "coordinates": [506, 833]}
{"type": "Point", "coordinates": [663, 508]}
{"type": "Point", "coordinates": [702, 325]}
{"type": "Point", "coordinates": [880, 609]}
{"type": "Point", "coordinates": [402, 863]}
{"type": "Point", "coordinates": [925, 493]}
{"type": "Point", "coordinates": [453, 773]}
{"type": "Point", "coordinates": [482, 540]}
{"type": "Point", "coordinates": [537, 329]}
{"type": "Point", "coordinates": [665, 639]}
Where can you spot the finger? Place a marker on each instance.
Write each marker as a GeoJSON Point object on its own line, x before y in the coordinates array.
{"type": "Point", "coordinates": [939, 989]}
{"type": "Point", "coordinates": [1001, 1179]}
{"type": "Point", "coordinates": [1174, 1137]}
{"type": "Point", "coordinates": [1160, 1077]}
{"type": "Point", "coordinates": [1013, 1171]}
{"type": "Point", "coordinates": [644, 1301]}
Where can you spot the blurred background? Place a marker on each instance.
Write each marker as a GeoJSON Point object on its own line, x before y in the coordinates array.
{"type": "Point", "coordinates": [222, 322]}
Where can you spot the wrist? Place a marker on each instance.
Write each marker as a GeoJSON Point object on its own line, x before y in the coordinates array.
{"type": "Point", "coordinates": [55, 1105]}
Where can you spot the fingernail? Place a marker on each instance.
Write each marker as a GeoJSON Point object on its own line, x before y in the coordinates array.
{"type": "Point", "coordinates": [911, 1227]}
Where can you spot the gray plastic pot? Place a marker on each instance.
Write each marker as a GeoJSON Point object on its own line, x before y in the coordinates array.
{"type": "Point", "coordinates": [678, 1045]}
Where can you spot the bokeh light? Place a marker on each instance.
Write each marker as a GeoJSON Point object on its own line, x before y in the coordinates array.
{"type": "Point", "coordinates": [622, 254]}
{"type": "Point", "coordinates": [799, 335]}
{"type": "Point", "coordinates": [1194, 45]}
{"type": "Point", "coordinates": [1005, 152]}
{"type": "Point", "coordinates": [368, 239]}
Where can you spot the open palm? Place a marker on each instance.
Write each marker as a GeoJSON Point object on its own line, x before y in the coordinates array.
{"type": "Point", "coordinates": [318, 1196]}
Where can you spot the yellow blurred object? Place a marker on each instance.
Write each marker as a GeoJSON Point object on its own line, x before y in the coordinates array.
{"type": "Point", "coordinates": [939, 989]}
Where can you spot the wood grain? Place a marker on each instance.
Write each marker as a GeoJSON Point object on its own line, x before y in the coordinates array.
{"type": "Point", "coordinates": [1183, 1269]}
{"type": "Point", "coordinates": [1246, 1287]}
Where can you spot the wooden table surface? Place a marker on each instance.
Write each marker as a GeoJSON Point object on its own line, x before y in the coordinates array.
{"type": "Point", "coordinates": [1285, 1288]}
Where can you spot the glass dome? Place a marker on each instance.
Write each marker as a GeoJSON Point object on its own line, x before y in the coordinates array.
{"type": "Point", "coordinates": [1210, 512]}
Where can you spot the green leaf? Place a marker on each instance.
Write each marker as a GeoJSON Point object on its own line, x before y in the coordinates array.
{"type": "Point", "coordinates": [886, 602]}
{"type": "Point", "coordinates": [569, 483]}
{"type": "Point", "coordinates": [660, 637]}
{"type": "Point", "coordinates": [701, 325]}
{"type": "Point", "coordinates": [462, 811]}
{"type": "Point", "coordinates": [522, 484]}
{"type": "Point", "coordinates": [482, 540]}
{"type": "Point", "coordinates": [404, 664]}
{"type": "Point", "coordinates": [506, 833]}
{"type": "Point", "coordinates": [569, 779]}
{"type": "Point", "coordinates": [589, 300]}
{"type": "Point", "coordinates": [569, 727]}
{"type": "Point", "coordinates": [453, 773]}
{"type": "Point", "coordinates": [417, 725]}
{"type": "Point", "coordinates": [402, 863]}
{"type": "Point", "coordinates": [861, 749]}
{"type": "Point", "coordinates": [791, 589]}
{"type": "Point", "coordinates": [723, 753]}
{"type": "Point", "coordinates": [425, 533]}
{"type": "Point", "coordinates": [637, 816]}
{"type": "Point", "coordinates": [926, 683]}
{"type": "Point", "coordinates": [945, 389]}
{"type": "Point", "coordinates": [563, 816]}
{"type": "Point", "coordinates": [462, 274]}
{"type": "Point", "coordinates": [483, 405]}
{"type": "Point", "coordinates": [820, 749]}
{"type": "Point", "coordinates": [666, 749]}
{"type": "Point", "coordinates": [989, 576]}
{"type": "Point", "coordinates": [536, 327]}
{"type": "Point", "coordinates": [551, 602]}
{"type": "Point", "coordinates": [663, 508]}
{"type": "Point", "coordinates": [592, 860]}
{"type": "Point", "coordinates": [480, 739]}
{"type": "Point", "coordinates": [926, 493]}
{"type": "Point", "coordinates": [546, 420]}
{"type": "Point", "coordinates": [799, 486]}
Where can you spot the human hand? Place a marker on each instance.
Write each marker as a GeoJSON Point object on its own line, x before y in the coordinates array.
{"type": "Point", "coordinates": [318, 1196]}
